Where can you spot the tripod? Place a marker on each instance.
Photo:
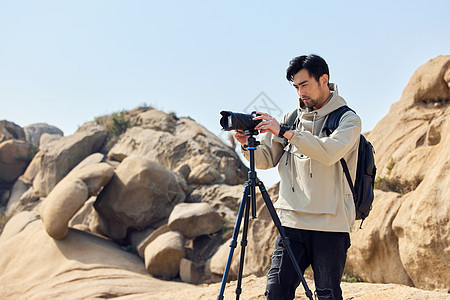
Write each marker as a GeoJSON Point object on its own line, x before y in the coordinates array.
{"type": "Point", "coordinates": [249, 197]}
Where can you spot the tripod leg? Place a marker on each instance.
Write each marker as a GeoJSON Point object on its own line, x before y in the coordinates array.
{"type": "Point", "coordinates": [277, 222]}
{"type": "Point", "coordinates": [243, 244]}
{"type": "Point", "coordinates": [233, 243]}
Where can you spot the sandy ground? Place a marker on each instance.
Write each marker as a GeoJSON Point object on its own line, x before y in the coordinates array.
{"type": "Point", "coordinates": [253, 289]}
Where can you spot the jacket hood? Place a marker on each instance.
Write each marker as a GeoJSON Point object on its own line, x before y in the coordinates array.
{"type": "Point", "coordinates": [333, 103]}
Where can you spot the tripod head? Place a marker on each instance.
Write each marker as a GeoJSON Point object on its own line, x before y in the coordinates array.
{"type": "Point", "coordinates": [252, 143]}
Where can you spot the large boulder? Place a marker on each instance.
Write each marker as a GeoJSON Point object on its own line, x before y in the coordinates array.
{"type": "Point", "coordinates": [34, 132]}
{"type": "Point", "coordinates": [61, 205]}
{"type": "Point", "coordinates": [141, 193]}
{"type": "Point", "coordinates": [15, 155]}
{"type": "Point", "coordinates": [150, 238]}
{"type": "Point", "coordinates": [11, 131]}
{"type": "Point", "coordinates": [176, 142]}
{"type": "Point", "coordinates": [194, 219]}
{"type": "Point", "coordinates": [163, 255]}
{"type": "Point", "coordinates": [70, 194]}
{"type": "Point", "coordinates": [51, 164]}
{"type": "Point", "coordinates": [406, 235]}
{"type": "Point", "coordinates": [420, 111]}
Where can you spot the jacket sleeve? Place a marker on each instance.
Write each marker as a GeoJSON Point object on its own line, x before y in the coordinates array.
{"type": "Point", "coordinates": [329, 150]}
{"type": "Point", "coordinates": [268, 154]}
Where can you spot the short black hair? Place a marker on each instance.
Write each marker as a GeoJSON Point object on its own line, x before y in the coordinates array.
{"type": "Point", "coordinates": [314, 64]}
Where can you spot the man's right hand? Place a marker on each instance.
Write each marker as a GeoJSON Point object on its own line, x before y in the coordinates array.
{"type": "Point", "coordinates": [240, 137]}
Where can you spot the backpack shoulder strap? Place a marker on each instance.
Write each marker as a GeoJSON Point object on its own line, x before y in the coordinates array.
{"type": "Point", "coordinates": [331, 124]}
{"type": "Point", "coordinates": [333, 119]}
{"type": "Point", "coordinates": [290, 121]}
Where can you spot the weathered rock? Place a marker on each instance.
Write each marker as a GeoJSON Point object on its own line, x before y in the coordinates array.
{"type": "Point", "coordinates": [374, 254]}
{"type": "Point", "coordinates": [191, 272]}
{"type": "Point", "coordinates": [50, 165]}
{"type": "Point", "coordinates": [61, 205]}
{"type": "Point", "coordinates": [70, 194]}
{"type": "Point", "coordinates": [183, 170]}
{"type": "Point", "coordinates": [142, 192]}
{"type": "Point", "coordinates": [422, 225]}
{"type": "Point", "coordinates": [410, 119]}
{"type": "Point", "coordinates": [135, 238]}
{"type": "Point", "coordinates": [15, 155]}
{"type": "Point", "coordinates": [47, 138]}
{"type": "Point", "coordinates": [225, 199]}
{"type": "Point", "coordinates": [204, 174]}
{"type": "Point", "coordinates": [82, 218]}
{"type": "Point", "coordinates": [11, 131]}
{"type": "Point", "coordinates": [95, 176]}
{"type": "Point", "coordinates": [156, 120]}
{"type": "Point", "coordinates": [28, 201]}
{"type": "Point", "coordinates": [17, 223]}
{"type": "Point", "coordinates": [18, 189]}
{"type": "Point", "coordinates": [430, 82]}
{"type": "Point", "coordinates": [194, 219]}
{"type": "Point", "coordinates": [150, 238]}
{"type": "Point", "coordinates": [176, 142]}
{"type": "Point", "coordinates": [411, 145]}
{"type": "Point", "coordinates": [92, 159]}
{"type": "Point", "coordinates": [34, 132]}
{"type": "Point", "coordinates": [81, 266]}
{"type": "Point", "coordinates": [163, 255]}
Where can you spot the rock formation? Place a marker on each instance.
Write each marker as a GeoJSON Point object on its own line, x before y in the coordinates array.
{"type": "Point", "coordinates": [141, 193]}
{"type": "Point", "coordinates": [52, 163]}
{"type": "Point", "coordinates": [177, 142]}
{"type": "Point", "coordinates": [11, 131]}
{"type": "Point", "coordinates": [70, 194]}
{"type": "Point", "coordinates": [407, 235]}
{"type": "Point", "coordinates": [35, 132]}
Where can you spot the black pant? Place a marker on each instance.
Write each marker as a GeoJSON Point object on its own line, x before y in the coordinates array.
{"type": "Point", "coordinates": [326, 252]}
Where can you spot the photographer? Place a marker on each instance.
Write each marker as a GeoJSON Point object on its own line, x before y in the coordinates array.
{"type": "Point", "coordinates": [315, 204]}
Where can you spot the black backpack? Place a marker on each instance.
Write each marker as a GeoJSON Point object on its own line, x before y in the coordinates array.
{"type": "Point", "coordinates": [365, 169]}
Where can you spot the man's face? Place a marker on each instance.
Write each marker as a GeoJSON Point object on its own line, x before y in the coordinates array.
{"type": "Point", "coordinates": [313, 93]}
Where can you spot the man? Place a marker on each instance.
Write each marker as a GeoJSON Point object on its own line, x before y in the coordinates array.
{"type": "Point", "coordinates": [315, 204]}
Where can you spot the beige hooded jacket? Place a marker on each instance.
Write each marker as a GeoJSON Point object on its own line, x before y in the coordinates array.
{"type": "Point", "coordinates": [314, 193]}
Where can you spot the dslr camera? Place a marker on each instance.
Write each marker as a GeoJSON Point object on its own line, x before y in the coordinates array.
{"type": "Point", "coordinates": [237, 121]}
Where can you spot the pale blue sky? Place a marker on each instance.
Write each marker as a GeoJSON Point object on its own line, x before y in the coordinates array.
{"type": "Point", "coordinates": [66, 62]}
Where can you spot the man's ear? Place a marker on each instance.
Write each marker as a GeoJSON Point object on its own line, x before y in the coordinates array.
{"type": "Point", "coordinates": [323, 80]}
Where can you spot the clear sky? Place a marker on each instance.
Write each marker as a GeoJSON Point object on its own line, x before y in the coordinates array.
{"type": "Point", "coordinates": [67, 62]}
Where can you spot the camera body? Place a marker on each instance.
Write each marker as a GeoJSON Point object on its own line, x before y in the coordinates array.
{"type": "Point", "coordinates": [238, 121]}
